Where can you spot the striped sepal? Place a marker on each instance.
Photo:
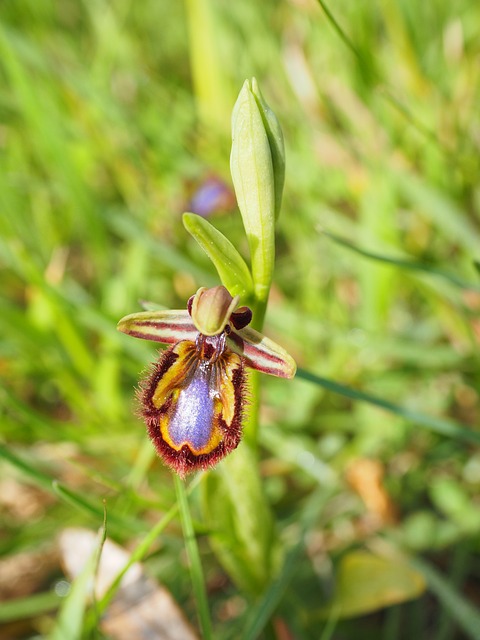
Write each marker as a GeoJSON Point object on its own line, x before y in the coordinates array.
{"type": "Point", "coordinates": [261, 353]}
{"type": "Point", "coordinates": [169, 326]}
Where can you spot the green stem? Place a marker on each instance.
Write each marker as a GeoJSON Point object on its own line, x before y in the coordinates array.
{"type": "Point", "coordinates": [196, 571]}
{"type": "Point", "coordinates": [259, 311]}
{"type": "Point", "coordinates": [251, 422]}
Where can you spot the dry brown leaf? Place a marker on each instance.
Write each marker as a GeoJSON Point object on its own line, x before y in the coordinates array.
{"type": "Point", "coordinates": [365, 476]}
{"type": "Point", "coordinates": [141, 609]}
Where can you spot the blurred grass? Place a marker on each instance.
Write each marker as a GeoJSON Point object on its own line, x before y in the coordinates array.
{"type": "Point", "coordinates": [108, 124]}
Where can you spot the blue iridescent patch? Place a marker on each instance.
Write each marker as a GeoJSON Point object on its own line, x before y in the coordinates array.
{"type": "Point", "coordinates": [191, 422]}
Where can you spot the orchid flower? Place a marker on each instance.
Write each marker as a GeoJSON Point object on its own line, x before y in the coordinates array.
{"type": "Point", "coordinates": [193, 399]}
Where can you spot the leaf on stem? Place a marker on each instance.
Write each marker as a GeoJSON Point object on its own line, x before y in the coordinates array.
{"type": "Point", "coordinates": [232, 268]}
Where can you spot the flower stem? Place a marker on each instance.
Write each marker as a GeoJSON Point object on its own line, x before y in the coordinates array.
{"type": "Point", "coordinates": [251, 423]}
{"type": "Point", "coordinates": [196, 570]}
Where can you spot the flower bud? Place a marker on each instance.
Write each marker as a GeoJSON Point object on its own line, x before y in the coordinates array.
{"type": "Point", "coordinates": [275, 140]}
{"type": "Point", "coordinates": [211, 309]}
{"type": "Point", "coordinates": [257, 165]}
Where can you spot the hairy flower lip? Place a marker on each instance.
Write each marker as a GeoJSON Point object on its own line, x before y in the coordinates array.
{"type": "Point", "coordinates": [192, 402]}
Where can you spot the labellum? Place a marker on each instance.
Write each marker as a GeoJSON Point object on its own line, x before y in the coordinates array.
{"type": "Point", "coordinates": [193, 399]}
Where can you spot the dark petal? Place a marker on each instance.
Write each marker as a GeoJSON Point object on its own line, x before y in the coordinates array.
{"type": "Point", "coordinates": [241, 317]}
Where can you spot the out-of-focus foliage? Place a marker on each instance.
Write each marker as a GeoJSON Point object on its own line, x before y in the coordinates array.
{"type": "Point", "coordinates": [113, 116]}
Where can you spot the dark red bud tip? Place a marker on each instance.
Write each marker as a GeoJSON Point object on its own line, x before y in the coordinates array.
{"type": "Point", "coordinates": [241, 317]}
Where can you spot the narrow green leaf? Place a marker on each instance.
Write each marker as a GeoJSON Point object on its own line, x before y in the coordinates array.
{"type": "Point", "coordinates": [232, 268]}
{"type": "Point", "coordinates": [442, 211]}
{"type": "Point", "coordinates": [340, 32]}
{"type": "Point", "coordinates": [466, 615]}
{"type": "Point", "coordinates": [262, 612]}
{"type": "Point", "coordinates": [437, 425]}
{"type": "Point", "coordinates": [143, 547]}
{"type": "Point", "coordinates": [196, 571]}
{"type": "Point", "coordinates": [76, 499]}
{"type": "Point", "coordinates": [69, 624]}
{"type": "Point", "coordinates": [137, 555]}
{"type": "Point", "coordinates": [411, 265]}
{"type": "Point", "coordinates": [28, 607]}
{"type": "Point", "coordinates": [39, 478]}
{"type": "Point", "coordinates": [95, 509]}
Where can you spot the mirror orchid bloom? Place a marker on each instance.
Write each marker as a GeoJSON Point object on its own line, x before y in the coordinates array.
{"type": "Point", "coordinates": [193, 398]}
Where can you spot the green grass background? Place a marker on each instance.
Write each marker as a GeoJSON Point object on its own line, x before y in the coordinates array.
{"type": "Point", "coordinates": [111, 114]}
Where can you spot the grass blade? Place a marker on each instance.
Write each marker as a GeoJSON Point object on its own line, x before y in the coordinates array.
{"type": "Point", "coordinates": [141, 550]}
{"type": "Point", "coordinates": [411, 265]}
{"type": "Point", "coordinates": [196, 570]}
{"type": "Point", "coordinates": [28, 607]}
{"type": "Point", "coordinates": [39, 478]}
{"type": "Point", "coordinates": [69, 625]}
{"type": "Point", "coordinates": [94, 509]}
{"type": "Point", "coordinates": [75, 498]}
{"type": "Point", "coordinates": [391, 99]}
{"type": "Point", "coordinates": [465, 614]}
{"type": "Point", "coordinates": [437, 425]}
{"type": "Point", "coordinates": [262, 613]}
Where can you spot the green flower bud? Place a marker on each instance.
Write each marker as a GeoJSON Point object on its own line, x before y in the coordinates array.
{"type": "Point", "coordinates": [275, 140]}
{"type": "Point", "coordinates": [258, 168]}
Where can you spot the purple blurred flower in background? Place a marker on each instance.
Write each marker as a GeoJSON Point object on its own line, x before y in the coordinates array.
{"type": "Point", "coordinates": [211, 196]}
